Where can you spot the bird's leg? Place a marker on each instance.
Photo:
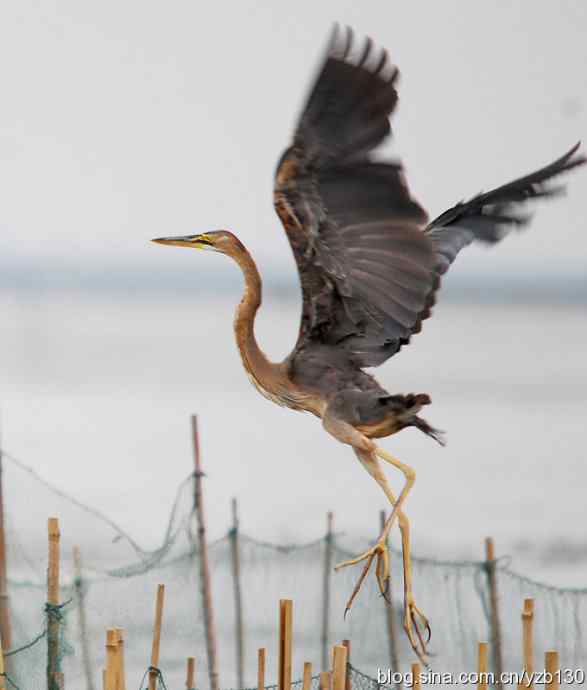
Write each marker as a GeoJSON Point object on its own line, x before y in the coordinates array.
{"type": "Point", "coordinates": [368, 454]}
{"type": "Point", "coordinates": [414, 620]}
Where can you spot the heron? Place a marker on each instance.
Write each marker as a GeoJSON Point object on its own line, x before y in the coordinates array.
{"type": "Point", "coordinates": [370, 265]}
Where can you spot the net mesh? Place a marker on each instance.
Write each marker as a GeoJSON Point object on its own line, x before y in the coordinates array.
{"type": "Point", "coordinates": [119, 578]}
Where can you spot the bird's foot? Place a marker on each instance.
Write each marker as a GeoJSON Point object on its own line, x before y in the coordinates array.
{"type": "Point", "coordinates": [415, 623]}
{"type": "Point", "coordinates": [379, 551]}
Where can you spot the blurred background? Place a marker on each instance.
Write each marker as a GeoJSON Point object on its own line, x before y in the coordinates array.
{"type": "Point", "coordinates": [126, 121]}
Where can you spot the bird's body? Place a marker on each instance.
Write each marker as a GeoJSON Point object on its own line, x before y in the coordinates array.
{"type": "Point", "coordinates": [370, 265]}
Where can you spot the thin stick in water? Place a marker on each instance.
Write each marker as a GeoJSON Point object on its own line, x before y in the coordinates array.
{"type": "Point", "coordinates": [285, 644]}
{"type": "Point", "coordinates": [339, 658]}
{"type": "Point", "coordinates": [54, 675]}
{"type": "Point", "coordinates": [326, 578]}
{"type": "Point", "coordinates": [307, 679]}
{"type": "Point", "coordinates": [528, 638]}
{"type": "Point", "coordinates": [261, 654]}
{"type": "Point", "coordinates": [238, 604]}
{"type": "Point", "coordinates": [490, 565]}
{"type": "Point", "coordinates": [153, 675]}
{"type": "Point", "coordinates": [205, 585]}
{"type": "Point", "coordinates": [190, 680]}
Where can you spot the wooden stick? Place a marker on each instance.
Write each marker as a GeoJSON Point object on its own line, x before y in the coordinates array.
{"type": "Point", "coordinates": [339, 658]}
{"type": "Point", "coordinates": [482, 682]}
{"type": "Point", "coordinates": [54, 681]}
{"type": "Point", "coordinates": [238, 604]}
{"type": "Point", "coordinates": [81, 612]}
{"type": "Point", "coordinates": [120, 666]}
{"type": "Point", "coordinates": [153, 676]}
{"type": "Point", "coordinates": [326, 578]}
{"type": "Point", "coordinates": [416, 676]}
{"type": "Point", "coordinates": [348, 684]}
{"type": "Point", "coordinates": [325, 680]}
{"type": "Point", "coordinates": [2, 669]}
{"type": "Point", "coordinates": [551, 667]}
{"type": "Point", "coordinates": [205, 586]}
{"type": "Point", "coordinates": [494, 610]}
{"type": "Point", "coordinates": [285, 642]}
{"type": "Point", "coordinates": [307, 681]}
{"type": "Point", "coordinates": [390, 618]}
{"type": "Point", "coordinates": [528, 637]}
{"type": "Point", "coordinates": [261, 653]}
{"type": "Point", "coordinates": [5, 628]}
{"type": "Point", "coordinates": [190, 681]}
{"type": "Point", "coordinates": [111, 675]}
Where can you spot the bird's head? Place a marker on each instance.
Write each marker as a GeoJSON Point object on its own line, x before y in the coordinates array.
{"type": "Point", "coordinates": [218, 241]}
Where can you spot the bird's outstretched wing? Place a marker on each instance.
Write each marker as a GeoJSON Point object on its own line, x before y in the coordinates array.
{"type": "Point", "coordinates": [490, 216]}
{"type": "Point", "coordinates": [366, 267]}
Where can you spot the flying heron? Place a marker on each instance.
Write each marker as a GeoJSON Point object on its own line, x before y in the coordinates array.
{"type": "Point", "coordinates": [370, 266]}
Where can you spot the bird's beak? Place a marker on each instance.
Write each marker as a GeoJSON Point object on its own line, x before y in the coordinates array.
{"type": "Point", "coordinates": [194, 241]}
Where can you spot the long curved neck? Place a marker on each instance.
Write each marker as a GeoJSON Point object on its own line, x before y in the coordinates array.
{"type": "Point", "coordinates": [258, 367]}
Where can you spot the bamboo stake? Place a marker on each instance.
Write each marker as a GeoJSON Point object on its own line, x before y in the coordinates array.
{"type": "Point", "coordinates": [327, 575]}
{"type": "Point", "coordinates": [111, 675]}
{"type": "Point", "coordinates": [238, 604]}
{"type": "Point", "coordinates": [528, 638]}
{"type": "Point", "coordinates": [348, 683]}
{"type": "Point", "coordinates": [325, 680]}
{"type": "Point", "coordinates": [416, 676]}
{"type": "Point", "coordinates": [552, 668]}
{"type": "Point", "coordinates": [54, 675]}
{"type": "Point", "coordinates": [81, 611]}
{"type": "Point", "coordinates": [339, 658]}
{"type": "Point", "coordinates": [205, 587]}
{"type": "Point", "coordinates": [261, 668]}
{"type": "Point", "coordinates": [482, 683]}
{"type": "Point", "coordinates": [390, 617]}
{"type": "Point", "coordinates": [2, 669]}
{"type": "Point", "coordinates": [190, 681]}
{"type": "Point", "coordinates": [5, 628]}
{"type": "Point", "coordinates": [120, 666]}
{"type": "Point", "coordinates": [153, 675]}
{"type": "Point", "coordinates": [307, 679]}
{"type": "Point", "coordinates": [285, 642]}
{"type": "Point", "coordinates": [494, 608]}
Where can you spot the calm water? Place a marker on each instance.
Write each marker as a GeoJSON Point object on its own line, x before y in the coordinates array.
{"type": "Point", "coordinates": [96, 394]}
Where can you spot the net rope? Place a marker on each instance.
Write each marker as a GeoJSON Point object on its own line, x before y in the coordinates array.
{"type": "Point", "coordinates": [119, 579]}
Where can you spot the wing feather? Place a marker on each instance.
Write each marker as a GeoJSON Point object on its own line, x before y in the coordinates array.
{"type": "Point", "coordinates": [369, 265]}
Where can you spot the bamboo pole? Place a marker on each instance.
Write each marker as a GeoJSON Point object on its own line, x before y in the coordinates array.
{"type": "Point", "coordinates": [238, 604]}
{"type": "Point", "coordinates": [390, 617]}
{"type": "Point", "coordinates": [5, 628]}
{"type": "Point", "coordinates": [307, 678]}
{"type": "Point", "coordinates": [285, 644]}
{"type": "Point", "coordinates": [81, 611]}
{"type": "Point", "coordinates": [348, 683]}
{"type": "Point", "coordinates": [111, 674]}
{"type": "Point", "coordinates": [327, 576]}
{"type": "Point", "coordinates": [551, 667]}
{"type": "Point", "coordinates": [120, 665]}
{"type": "Point", "coordinates": [416, 676]}
{"type": "Point", "coordinates": [54, 675]}
{"type": "Point", "coordinates": [190, 680]}
{"type": "Point", "coordinates": [2, 669]}
{"type": "Point", "coordinates": [494, 610]}
{"type": "Point", "coordinates": [482, 683]}
{"type": "Point", "coordinates": [325, 680]}
{"type": "Point", "coordinates": [153, 675]}
{"type": "Point", "coordinates": [205, 587]}
{"type": "Point", "coordinates": [261, 653]}
{"type": "Point", "coordinates": [528, 638]}
{"type": "Point", "coordinates": [339, 659]}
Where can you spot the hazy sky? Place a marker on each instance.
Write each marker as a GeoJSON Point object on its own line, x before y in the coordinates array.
{"type": "Point", "coordinates": [121, 121]}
